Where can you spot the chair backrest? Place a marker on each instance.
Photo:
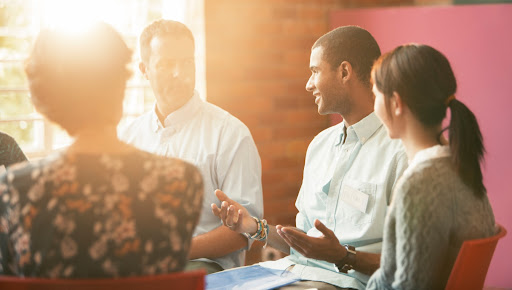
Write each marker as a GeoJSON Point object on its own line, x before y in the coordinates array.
{"type": "Point", "coordinates": [181, 280]}
{"type": "Point", "coordinates": [473, 261]}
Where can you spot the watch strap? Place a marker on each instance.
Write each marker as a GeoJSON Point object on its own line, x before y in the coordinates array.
{"type": "Point", "coordinates": [348, 262]}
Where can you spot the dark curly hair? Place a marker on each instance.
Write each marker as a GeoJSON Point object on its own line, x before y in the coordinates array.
{"type": "Point", "coordinates": [78, 80]}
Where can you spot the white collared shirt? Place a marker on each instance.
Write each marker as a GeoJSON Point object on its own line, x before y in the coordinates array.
{"type": "Point", "coordinates": [368, 162]}
{"type": "Point", "coordinates": [219, 144]}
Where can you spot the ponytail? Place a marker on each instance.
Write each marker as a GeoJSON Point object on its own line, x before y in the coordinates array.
{"type": "Point", "coordinates": [466, 146]}
{"type": "Point", "coordinates": [424, 79]}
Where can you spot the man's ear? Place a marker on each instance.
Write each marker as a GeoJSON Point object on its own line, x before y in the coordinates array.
{"type": "Point", "coordinates": [345, 71]}
{"type": "Point", "coordinates": [397, 105]}
{"type": "Point", "coordinates": [143, 69]}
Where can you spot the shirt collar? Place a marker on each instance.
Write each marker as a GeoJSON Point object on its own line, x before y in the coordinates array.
{"type": "Point", "coordinates": [180, 115]}
{"type": "Point", "coordinates": [363, 129]}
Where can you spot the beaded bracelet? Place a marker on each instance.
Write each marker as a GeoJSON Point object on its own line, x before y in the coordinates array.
{"type": "Point", "coordinates": [258, 232]}
{"type": "Point", "coordinates": [262, 232]}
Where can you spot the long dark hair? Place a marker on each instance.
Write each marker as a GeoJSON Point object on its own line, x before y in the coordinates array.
{"type": "Point", "coordinates": [425, 81]}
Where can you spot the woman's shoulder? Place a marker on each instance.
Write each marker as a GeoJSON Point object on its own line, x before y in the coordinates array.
{"type": "Point", "coordinates": [433, 171]}
{"type": "Point", "coordinates": [431, 178]}
{"type": "Point", "coordinates": [167, 166]}
{"type": "Point", "coordinates": [35, 166]}
{"type": "Point", "coordinates": [162, 160]}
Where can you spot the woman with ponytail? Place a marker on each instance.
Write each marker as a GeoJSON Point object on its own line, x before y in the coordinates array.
{"type": "Point", "coordinates": [441, 200]}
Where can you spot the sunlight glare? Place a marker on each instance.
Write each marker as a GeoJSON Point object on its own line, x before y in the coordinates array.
{"type": "Point", "coordinates": [77, 15]}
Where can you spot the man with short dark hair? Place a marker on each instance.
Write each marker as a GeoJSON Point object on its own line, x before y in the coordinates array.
{"type": "Point", "coordinates": [184, 126]}
{"type": "Point", "coordinates": [349, 174]}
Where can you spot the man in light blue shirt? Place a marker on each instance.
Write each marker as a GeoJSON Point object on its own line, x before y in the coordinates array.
{"type": "Point", "coordinates": [183, 125]}
{"type": "Point", "coordinates": [349, 175]}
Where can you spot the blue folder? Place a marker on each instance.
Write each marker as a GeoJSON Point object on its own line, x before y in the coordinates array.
{"type": "Point", "coordinates": [250, 277]}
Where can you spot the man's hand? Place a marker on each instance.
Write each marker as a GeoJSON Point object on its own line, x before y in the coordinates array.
{"type": "Point", "coordinates": [326, 248]}
{"type": "Point", "coordinates": [233, 215]}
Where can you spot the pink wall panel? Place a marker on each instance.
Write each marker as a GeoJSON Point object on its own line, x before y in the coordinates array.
{"type": "Point", "coordinates": [477, 39]}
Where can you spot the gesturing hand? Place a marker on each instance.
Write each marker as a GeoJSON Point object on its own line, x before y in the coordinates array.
{"type": "Point", "coordinates": [326, 247]}
{"type": "Point", "coordinates": [233, 215]}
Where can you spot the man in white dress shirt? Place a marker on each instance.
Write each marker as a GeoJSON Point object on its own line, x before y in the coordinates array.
{"type": "Point", "coordinates": [183, 125]}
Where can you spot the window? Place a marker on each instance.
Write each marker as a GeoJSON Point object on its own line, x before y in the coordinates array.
{"type": "Point", "coordinates": [21, 20]}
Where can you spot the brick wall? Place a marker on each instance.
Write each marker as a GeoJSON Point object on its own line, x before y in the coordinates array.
{"type": "Point", "coordinates": [257, 67]}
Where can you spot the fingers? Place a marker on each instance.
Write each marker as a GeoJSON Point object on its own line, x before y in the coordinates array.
{"type": "Point", "coordinates": [324, 230]}
{"type": "Point", "coordinates": [292, 232]}
{"type": "Point", "coordinates": [231, 217]}
{"type": "Point", "coordinates": [219, 212]}
{"type": "Point", "coordinates": [222, 196]}
{"type": "Point", "coordinates": [215, 210]}
{"type": "Point", "coordinates": [237, 217]}
{"type": "Point", "coordinates": [298, 239]}
{"type": "Point", "coordinates": [224, 211]}
{"type": "Point", "coordinates": [230, 212]}
{"type": "Point", "coordinates": [282, 231]}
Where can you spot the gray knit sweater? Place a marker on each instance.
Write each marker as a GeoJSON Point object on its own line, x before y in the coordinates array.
{"type": "Point", "coordinates": [431, 214]}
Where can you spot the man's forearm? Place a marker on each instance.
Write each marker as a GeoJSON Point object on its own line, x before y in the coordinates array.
{"type": "Point", "coordinates": [367, 263]}
{"type": "Point", "coordinates": [216, 243]}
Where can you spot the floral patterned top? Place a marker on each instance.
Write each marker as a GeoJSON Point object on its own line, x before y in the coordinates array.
{"type": "Point", "coordinates": [98, 215]}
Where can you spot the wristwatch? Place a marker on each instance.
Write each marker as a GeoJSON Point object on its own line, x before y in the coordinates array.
{"type": "Point", "coordinates": [348, 262]}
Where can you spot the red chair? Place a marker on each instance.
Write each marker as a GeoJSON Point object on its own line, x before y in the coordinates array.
{"type": "Point", "coordinates": [181, 280]}
{"type": "Point", "coordinates": [473, 261]}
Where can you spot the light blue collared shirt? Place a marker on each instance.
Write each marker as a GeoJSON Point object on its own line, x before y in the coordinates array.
{"type": "Point", "coordinates": [219, 144]}
{"type": "Point", "coordinates": [368, 162]}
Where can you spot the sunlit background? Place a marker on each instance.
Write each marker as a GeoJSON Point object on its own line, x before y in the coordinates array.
{"type": "Point", "coordinates": [20, 22]}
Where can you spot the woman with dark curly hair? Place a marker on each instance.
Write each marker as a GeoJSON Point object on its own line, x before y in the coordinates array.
{"type": "Point", "coordinates": [100, 208]}
{"type": "Point", "coordinates": [10, 151]}
{"type": "Point", "coordinates": [440, 201]}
